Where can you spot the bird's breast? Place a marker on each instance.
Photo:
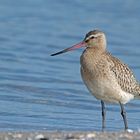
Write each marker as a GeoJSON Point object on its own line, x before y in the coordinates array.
{"type": "Point", "coordinates": [99, 80]}
{"type": "Point", "coordinates": [105, 89]}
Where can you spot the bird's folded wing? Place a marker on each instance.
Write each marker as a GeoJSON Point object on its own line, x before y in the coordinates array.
{"type": "Point", "coordinates": [123, 75]}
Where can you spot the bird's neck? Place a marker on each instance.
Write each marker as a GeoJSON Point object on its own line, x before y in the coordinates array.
{"type": "Point", "coordinates": [96, 50]}
{"type": "Point", "coordinates": [91, 56]}
{"type": "Point", "coordinates": [102, 46]}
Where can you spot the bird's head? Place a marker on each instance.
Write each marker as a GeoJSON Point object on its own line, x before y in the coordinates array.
{"type": "Point", "coordinates": [93, 38]}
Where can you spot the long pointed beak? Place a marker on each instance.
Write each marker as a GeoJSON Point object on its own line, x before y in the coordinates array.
{"type": "Point", "coordinates": [79, 45]}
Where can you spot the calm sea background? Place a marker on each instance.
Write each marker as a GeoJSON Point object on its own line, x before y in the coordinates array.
{"type": "Point", "coordinates": [40, 92]}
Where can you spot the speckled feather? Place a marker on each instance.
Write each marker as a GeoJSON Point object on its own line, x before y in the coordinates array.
{"type": "Point", "coordinates": [106, 77]}
{"type": "Point", "coordinates": [124, 75]}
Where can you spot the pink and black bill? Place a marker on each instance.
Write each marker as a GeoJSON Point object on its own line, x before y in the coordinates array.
{"type": "Point", "coordinates": [79, 45]}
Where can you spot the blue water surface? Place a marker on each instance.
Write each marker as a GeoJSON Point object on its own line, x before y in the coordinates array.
{"type": "Point", "coordinates": [40, 92]}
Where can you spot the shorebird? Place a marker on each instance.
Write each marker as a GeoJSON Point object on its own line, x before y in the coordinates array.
{"type": "Point", "coordinates": [106, 77]}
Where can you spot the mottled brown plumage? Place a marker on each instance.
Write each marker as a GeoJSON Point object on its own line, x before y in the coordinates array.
{"type": "Point", "coordinates": [106, 77]}
{"type": "Point", "coordinates": [124, 76]}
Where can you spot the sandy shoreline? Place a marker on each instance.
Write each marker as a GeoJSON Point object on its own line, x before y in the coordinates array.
{"type": "Point", "coordinates": [65, 135]}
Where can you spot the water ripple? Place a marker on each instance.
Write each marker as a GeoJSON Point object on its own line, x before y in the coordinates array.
{"type": "Point", "coordinates": [40, 92]}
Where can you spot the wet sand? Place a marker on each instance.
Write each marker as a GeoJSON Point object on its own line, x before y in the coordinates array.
{"type": "Point", "coordinates": [69, 135]}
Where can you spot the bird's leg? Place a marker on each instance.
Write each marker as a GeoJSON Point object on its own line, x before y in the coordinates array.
{"type": "Point", "coordinates": [123, 113]}
{"type": "Point", "coordinates": [103, 115]}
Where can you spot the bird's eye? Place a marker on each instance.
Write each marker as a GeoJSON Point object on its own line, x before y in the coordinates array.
{"type": "Point", "coordinates": [92, 37]}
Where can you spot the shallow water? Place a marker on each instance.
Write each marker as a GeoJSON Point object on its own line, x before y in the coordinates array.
{"type": "Point", "coordinates": [39, 92]}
